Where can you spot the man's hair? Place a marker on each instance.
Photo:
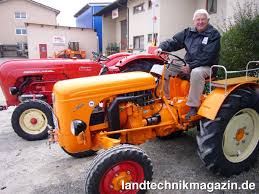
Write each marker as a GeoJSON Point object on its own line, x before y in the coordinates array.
{"type": "Point", "coordinates": [201, 11]}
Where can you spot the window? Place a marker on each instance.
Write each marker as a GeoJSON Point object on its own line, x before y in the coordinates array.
{"type": "Point", "coordinates": [149, 37]}
{"type": "Point", "coordinates": [212, 6]}
{"type": "Point", "coordinates": [149, 4]}
{"type": "Point", "coordinates": [20, 15]}
{"type": "Point", "coordinates": [138, 8]}
{"type": "Point", "coordinates": [21, 31]}
{"type": "Point", "coordinates": [138, 42]}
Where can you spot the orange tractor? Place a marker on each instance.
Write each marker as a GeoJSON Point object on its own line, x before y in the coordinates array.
{"type": "Point", "coordinates": [72, 51]}
{"type": "Point", "coordinates": [112, 111]}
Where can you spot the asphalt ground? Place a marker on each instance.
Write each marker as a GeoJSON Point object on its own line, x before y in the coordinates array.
{"type": "Point", "coordinates": [31, 167]}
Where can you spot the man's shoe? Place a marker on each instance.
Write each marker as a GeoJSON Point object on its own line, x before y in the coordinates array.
{"type": "Point", "coordinates": [192, 112]}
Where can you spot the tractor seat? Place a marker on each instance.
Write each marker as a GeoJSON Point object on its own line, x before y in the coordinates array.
{"type": "Point", "coordinates": [187, 77]}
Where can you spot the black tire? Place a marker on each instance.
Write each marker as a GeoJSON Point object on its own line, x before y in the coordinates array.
{"type": "Point", "coordinates": [114, 157]}
{"type": "Point", "coordinates": [84, 154]}
{"type": "Point", "coordinates": [42, 106]}
{"type": "Point", "coordinates": [211, 135]}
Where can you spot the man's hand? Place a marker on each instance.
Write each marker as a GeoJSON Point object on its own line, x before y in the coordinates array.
{"type": "Point", "coordinates": [186, 69]}
{"type": "Point", "coordinates": [158, 51]}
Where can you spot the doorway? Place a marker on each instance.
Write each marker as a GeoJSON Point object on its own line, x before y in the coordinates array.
{"type": "Point", "coordinates": [124, 36]}
{"type": "Point", "coordinates": [43, 51]}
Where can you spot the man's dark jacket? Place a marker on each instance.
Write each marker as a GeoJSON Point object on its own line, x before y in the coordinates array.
{"type": "Point", "coordinates": [202, 49]}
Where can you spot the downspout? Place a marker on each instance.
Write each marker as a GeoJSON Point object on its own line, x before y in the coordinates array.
{"type": "Point", "coordinates": [128, 27]}
{"type": "Point", "coordinates": [93, 17]}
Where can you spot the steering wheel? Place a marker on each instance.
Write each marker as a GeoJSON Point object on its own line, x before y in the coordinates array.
{"type": "Point", "coordinates": [99, 57]}
{"type": "Point", "coordinates": [174, 65]}
{"type": "Point", "coordinates": [172, 59]}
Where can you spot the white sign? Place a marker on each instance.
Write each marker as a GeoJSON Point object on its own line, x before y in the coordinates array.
{"type": "Point", "coordinates": [115, 13]}
{"type": "Point", "coordinates": [59, 40]}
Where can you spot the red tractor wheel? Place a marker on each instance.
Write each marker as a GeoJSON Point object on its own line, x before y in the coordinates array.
{"type": "Point", "coordinates": [118, 165]}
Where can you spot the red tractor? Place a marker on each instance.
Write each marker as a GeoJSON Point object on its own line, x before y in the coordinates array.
{"type": "Point", "coordinates": [27, 84]}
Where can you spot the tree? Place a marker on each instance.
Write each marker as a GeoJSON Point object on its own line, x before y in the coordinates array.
{"type": "Point", "coordinates": [240, 43]}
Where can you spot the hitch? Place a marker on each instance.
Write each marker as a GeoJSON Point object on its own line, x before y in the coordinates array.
{"type": "Point", "coordinates": [52, 139]}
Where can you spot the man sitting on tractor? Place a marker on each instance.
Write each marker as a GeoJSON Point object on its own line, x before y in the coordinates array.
{"type": "Point", "coordinates": [202, 45]}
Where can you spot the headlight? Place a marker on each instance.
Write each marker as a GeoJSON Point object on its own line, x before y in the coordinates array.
{"type": "Point", "coordinates": [77, 126]}
{"type": "Point", "coordinates": [13, 90]}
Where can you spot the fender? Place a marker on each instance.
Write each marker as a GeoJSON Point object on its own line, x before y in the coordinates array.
{"type": "Point", "coordinates": [211, 105]}
{"type": "Point", "coordinates": [115, 58]}
{"type": "Point", "coordinates": [131, 58]}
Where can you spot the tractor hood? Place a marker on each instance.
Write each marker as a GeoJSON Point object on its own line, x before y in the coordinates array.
{"type": "Point", "coordinates": [105, 85]}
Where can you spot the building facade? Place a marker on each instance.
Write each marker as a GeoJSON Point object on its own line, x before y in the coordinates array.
{"type": "Point", "coordinates": [115, 25]}
{"type": "Point", "coordinates": [14, 15]}
{"type": "Point", "coordinates": [165, 19]}
{"type": "Point", "coordinates": [85, 19]}
{"type": "Point", "coordinates": [45, 40]}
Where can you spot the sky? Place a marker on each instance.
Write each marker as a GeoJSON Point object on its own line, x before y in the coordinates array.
{"type": "Point", "coordinates": [68, 8]}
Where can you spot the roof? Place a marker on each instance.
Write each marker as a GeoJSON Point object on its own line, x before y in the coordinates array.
{"type": "Point", "coordinates": [39, 4]}
{"type": "Point", "coordinates": [55, 26]}
{"type": "Point", "coordinates": [87, 6]}
{"type": "Point", "coordinates": [109, 8]}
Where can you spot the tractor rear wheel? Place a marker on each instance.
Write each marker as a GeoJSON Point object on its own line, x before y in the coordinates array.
{"type": "Point", "coordinates": [115, 166]}
{"type": "Point", "coordinates": [83, 154]}
{"type": "Point", "coordinates": [228, 145]}
{"type": "Point", "coordinates": [31, 118]}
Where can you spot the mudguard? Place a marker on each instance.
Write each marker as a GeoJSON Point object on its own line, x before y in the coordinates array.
{"type": "Point", "coordinates": [131, 58]}
{"type": "Point", "coordinates": [211, 105]}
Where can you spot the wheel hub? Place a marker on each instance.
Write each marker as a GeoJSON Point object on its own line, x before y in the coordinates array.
{"type": "Point", "coordinates": [240, 134]}
{"type": "Point", "coordinates": [121, 173]}
{"type": "Point", "coordinates": [34, 121]}
{"type": "Point", "coordinates": [119, 179]}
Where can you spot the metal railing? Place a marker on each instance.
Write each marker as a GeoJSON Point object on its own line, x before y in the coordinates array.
{"type": "Point", "coordinates": [247, 70]}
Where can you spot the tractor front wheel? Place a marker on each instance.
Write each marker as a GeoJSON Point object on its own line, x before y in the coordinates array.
{"type": "Point", "coordinates": [228, 145]}
{"type": "Point", "coordinates": [31, 118]}
{"type": "Point", "coordinates": [114, 168]}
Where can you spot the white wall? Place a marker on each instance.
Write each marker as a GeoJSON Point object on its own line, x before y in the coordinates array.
{"type": "Point", "coordinates": [176, 16]}
{"type": "Point", "coordinates": [141, 23]}
{"type": "Point", "coordinates": [37, 34]}
{"type": "Point", "coordinates": [218, 19]}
